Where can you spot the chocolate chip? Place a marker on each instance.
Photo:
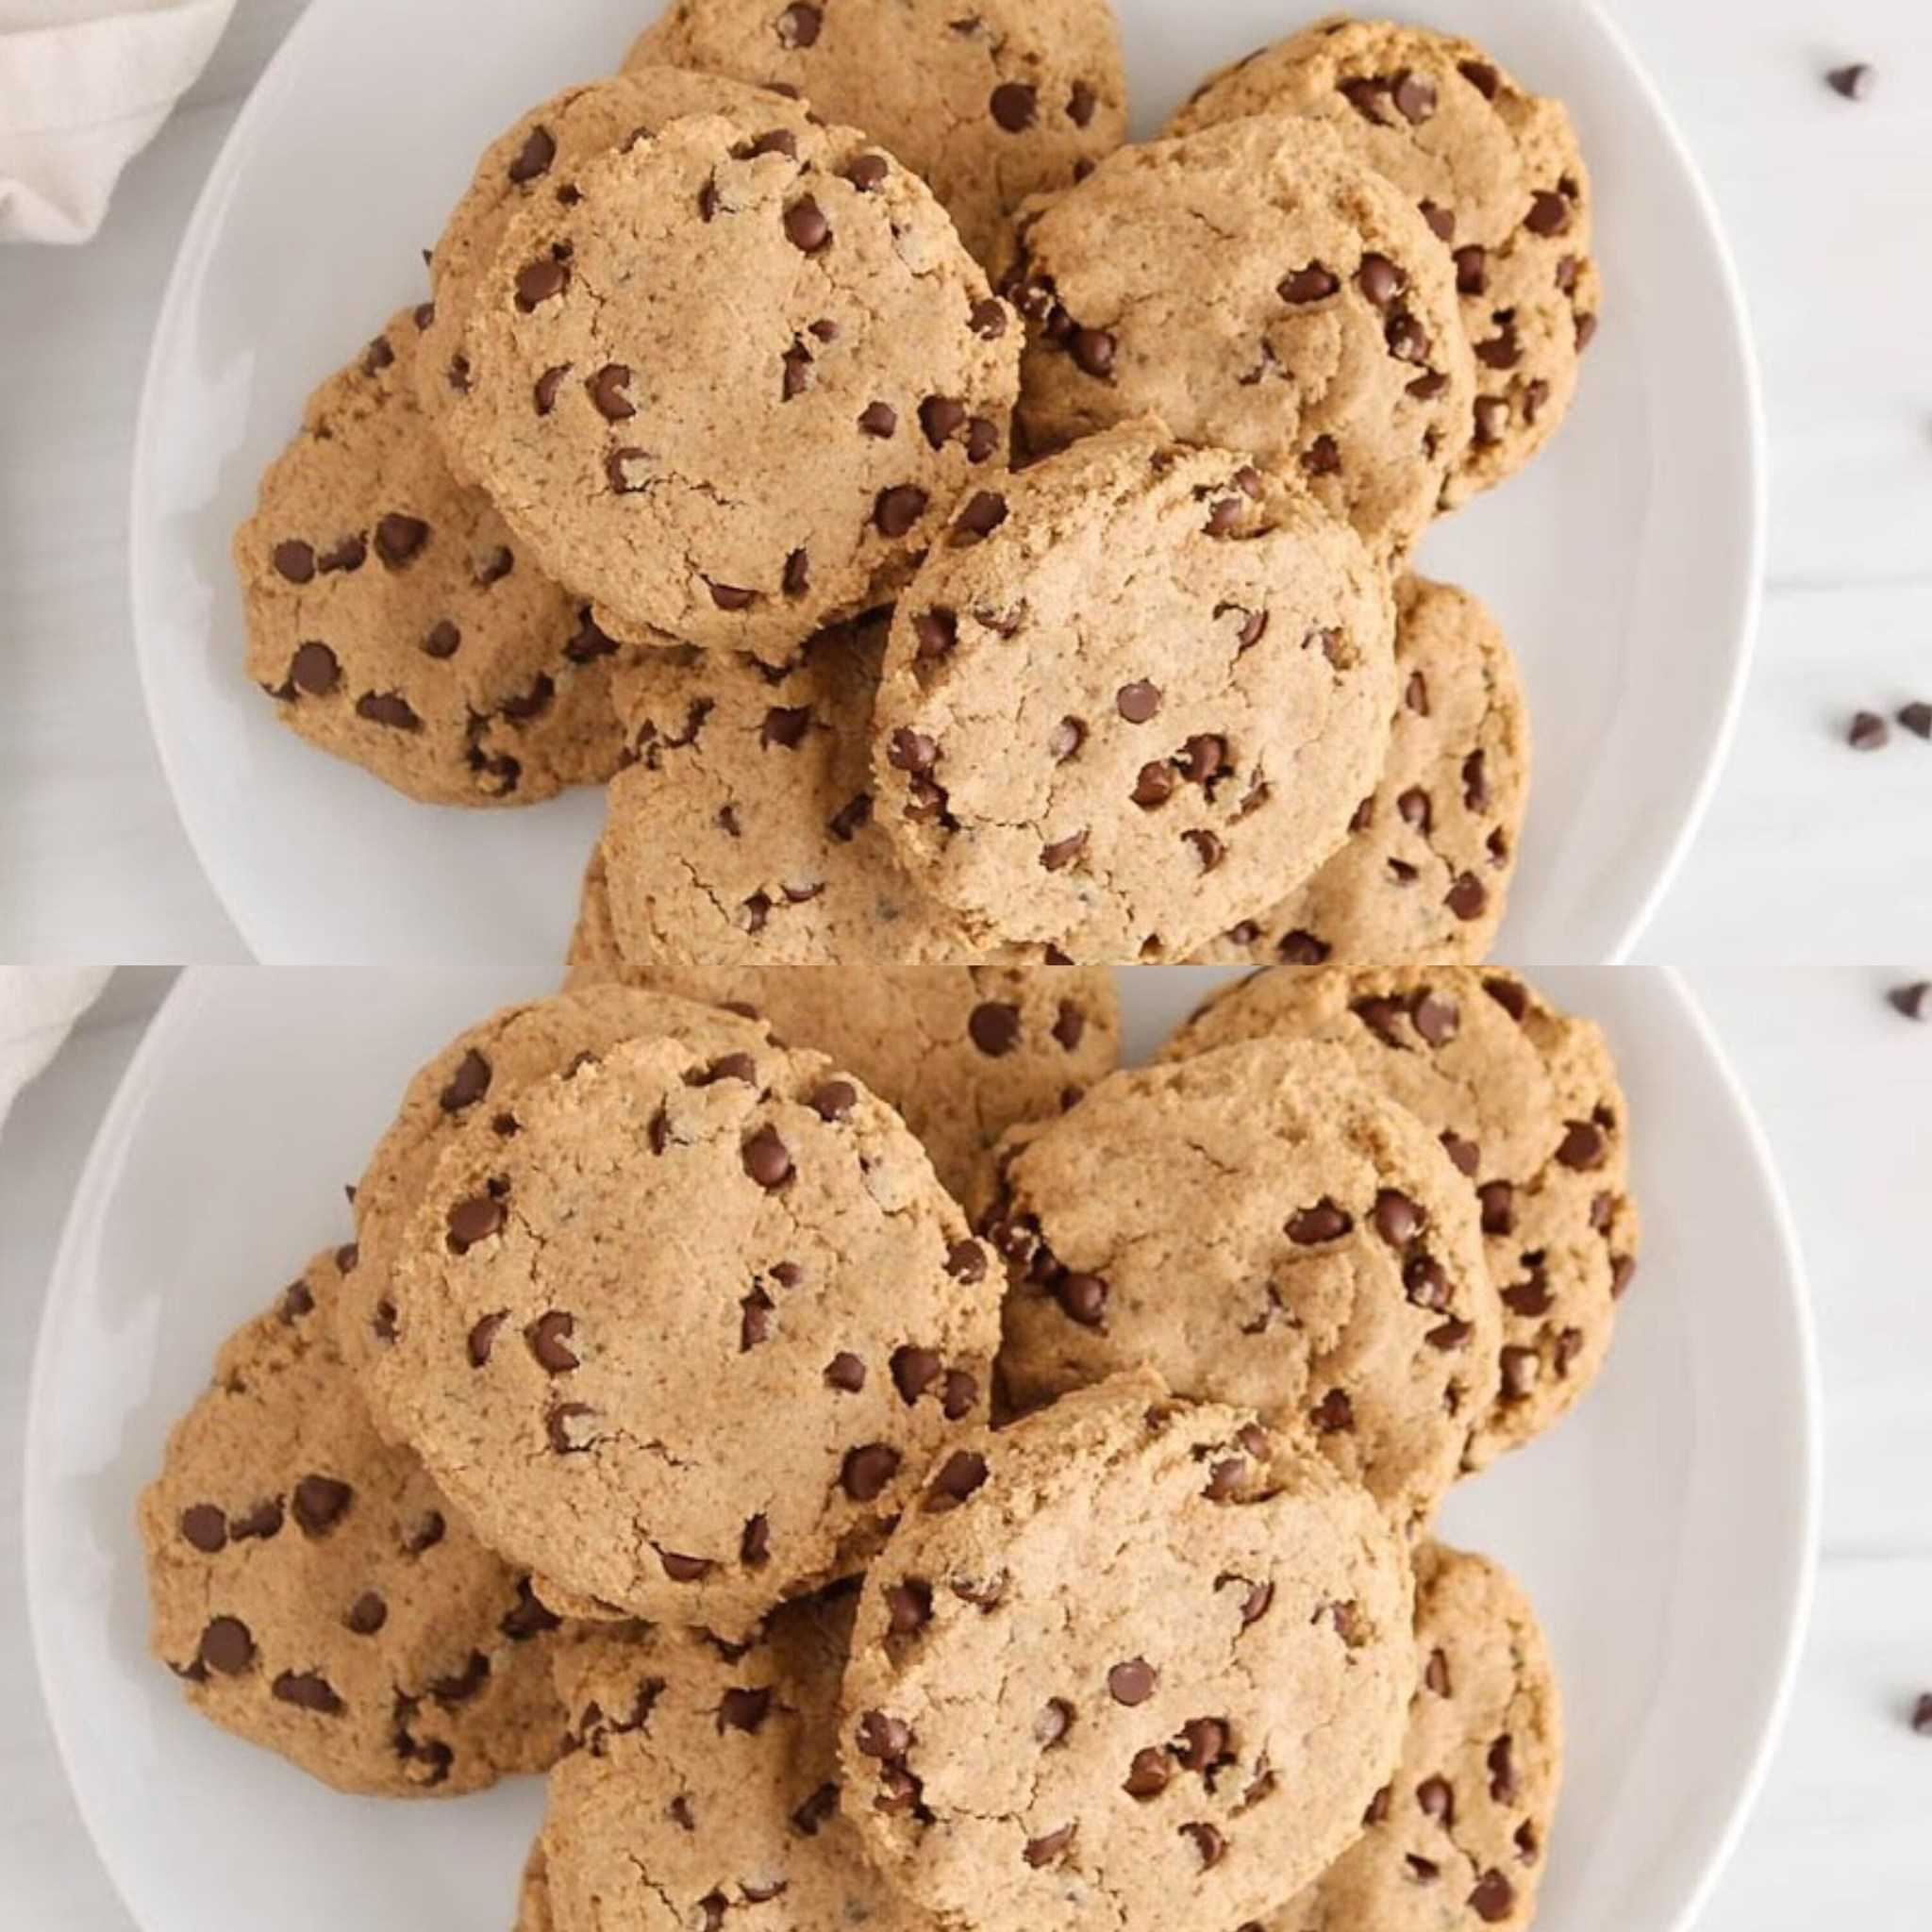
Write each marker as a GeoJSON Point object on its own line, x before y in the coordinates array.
{"type": "Point", "coordinates": [966, 1261]}
{"type": "Point", "coordinates": [960, 1475]}
{"type": "Point", "coordinates": [1498, 1199]}
{"type": "Point", "coordinates": [1549, 213]}
{"type": "Point", "coordinates": [366, 1615]}
{"type": "Point", "coordinates": [897, 509]}
{"type": "Point", "coordinates": [868, 172]}
{"type": "Point", "coordinates": [1334, 1415]}
{"type": "Point", "coordinates": [1922, 1715]}
{"type": "Point", "coordinates": [295, 561]}
{"type": "Point", "coordinates": [1208, 1842]}
{"type": "Point", "coordinates": [1436, 1798]}
{"type": "Point", "coordinates": [1323, 1222]}
{"type": "Point", "coordinates": [766, 1159]}
{"type": "Point", "coordinates": [1322, 458]}
{"type": "Point", "coordinates": [1053, 1720]}
{"type": "Point", "coordinates": [348, 555]}
{"type": "Point", "coordinates": [1468, 896]}
{"type": "Point", "coordinates": [1379, 279]}
{"type": "Point", "coordinates": [548, 1339]}
{"type": "Point", "coordinates": [1154, 786]}
{"type": "Point", "coordinates": [959, 1396]}
{"type": "Point", "coordinates": [1092, 350]}
{"type": "Point", "coordinates": [1207, 848]}
{"type": "Point", "coordinates": [226, 1646]}
{"type": "Point", "coordinates": [805, 227]}
{"type": "Point", "coordinates": [1583, 1146]}
{"type": "Point", "coordinates": [1138, 702]}
{"type": "Point", "coordinates": [683, 1568]}
{"type": "Point", "coordinates": [888, 1739]}
{"type": "Point", "coordinates": [527, 1617]}
{"type": "Point", "coordinates": [994, 1027]}
{"type": "Point", "coordinates": [313, 669]}
{"type": "Point", "coordinates": [1913, 1001]}
{"type": "Point", "coordinates": [442, 639]}
{"type": "Point", "coordinates": [1854, 81]}
{"type": "Point", "coordinates": [606, 390]}
{"type": "Point", "coordinates": [467, 1085]}
{"type": "Point", "coordinates": [914, 1371]}
{"type": "Point", "coordinates": [1014, 105]}
{"type": "Point", "coordinates": [1045, 1849]}
{"type": "Point", "coordinates": [1437, 1017]}
{"type": "Point", "coordinates": [1442, 220]}
{"type": "Point", "coordinates": [202, 1526]}
{"type": "Point", "coordinates": [1917, 718]}
{"type": "Point", "coordinates": [546, 386]}
{"type": "Point", "coordinates": [1132, 1682]}
{"type": "Point", "coordinates": [472, 1221]}
{"type": "Point", "coordinates": [1481, 77]}
{"type": "Point", "coordinates": [1397, 1219]}
{"type": "Point", "coordinates": [534, 158]}
{"type": "Point", "coordinates": [867, 1469]}
{"type": "Point", "coordinates": [1414, 97]}
{"type": "Point", "coordinates": [319, 1503]}
{"type": "Point", "coordinates": [1062, 852]}
{"type": "Point", "coordinates": [1314, 283]}
{"type": "Point", "coordinates": [798, 26]}
{"type": "Point", "coordinates": [1868, 732]}
{"type": "Point", "coordinates": [307, 1691]}
{"type": "Point", "coordinates": [538, 280]}
{"type": "Point", "coordinates": [878, 419]}
{"type": "Point", "coordinates": [1066, 739]}
{"type": "Point", "coordinates": [1148, 1774]}
{"type": "Point", "coordinates": [258, 1523]}
{"type": "Point", "coordinates": [1083, 1298]}
{"type": "Point", "coordinates": [985, 511]}
{"type": "Point", "coordinates": [1493, 1899]}
{"type": "Point", "coordinates": [909, 1607]}
{"type": "Point", "coordinates": [388, 709]}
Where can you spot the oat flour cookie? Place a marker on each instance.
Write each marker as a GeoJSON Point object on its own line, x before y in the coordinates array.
{"type": "Point", "coordinates": [1315, 323]}
{"type": "Point", "coordinates": [1157, 685]}
{"type": "Point", "coordinates": [1129, 1661]}
{"type": "Point", "coordinates": [1525, 1102]}
{"type": "Point", "coordinates": [990, 103]}
{"type": "Point", "coordinates": [315, 1593]}
{"type": "Point", "coordinates": [476, 1076]}
{"type": "Point", "coordinates": [730, 392]}
{"type": "Point", "coordinates": [397, 622]}
{"type": "Point", "coordinates": [962, 1052]}
{"type": "Point", "coordinates": [685, 1338]}
{"type": "Point", "coordinates": [1259, 1226]}
{"type": "Point", "coordinates": [707, 1788]}
{"type": "Point", "coordinates": [1425, 869]}
{"type": "Point", "coordinates": [1498, 176]}
{"type": "Point", "coordinates": [536, 160]}
{"type": "Point", "coordinates": [743, 830]}
{"type": "Point", "coordinates": [1455, 1840]}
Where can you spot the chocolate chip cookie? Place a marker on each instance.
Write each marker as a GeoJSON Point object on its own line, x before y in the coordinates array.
{"type": "Point", "coordinates": [536, 160]}
{"type": "Point", "coordinates": [1129, 1661]}
{"type": "Point", "coordinates": [1259, 1226]}
{"type": "Point", "coordinates": [744, 829]}
{"type": "Point", "coordinates": [990, 103]}
{"type": "Point", "coordinates": [314, 1592]}
{"type": "Point", "coordinates": [683, 1329]}
{"type": "Point", "coordinates": [1495, 172]}
{"type": "Point", "coordinates": [1425, 869]}
{"type": "Point", "coordinates": [962, 1052]}
{"type": "Point", "coordinates": [533, 1895]}
{"type": "Point", "coordinates": [706, 1783]}
{"type": "Point", "coordinates": [396, 621]}
{"type": "Point", "coordinates": [1315, 323]}
{"type": "Point", "coordinates": [476, 1078]}
{"type": "Point", "coordinates": [1525, 1102]}
{"type": "Point", "coordinates": [1455, 1839]}
{"type": "Point", "coordinates": [659, 367]}
{"type": "Point", "coordinates": [1129, 695]}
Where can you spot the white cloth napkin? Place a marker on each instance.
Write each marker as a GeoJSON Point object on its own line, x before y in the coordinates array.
{"type": "Point", "coordinates": [84, 86]}
{"type": "Point", "coordinates": [38, 1005]}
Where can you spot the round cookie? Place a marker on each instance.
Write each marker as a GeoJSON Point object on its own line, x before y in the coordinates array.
{"type": "Point", "coordinates": [1455, 1839]}
{"type": "Point", "coordinates": [962, 1052]}
{"type": "Point", "coordinates": [1159, 682]}
{"type": "Point", "coordinates": [533, 1895]}
{"type": "Point", "coordinates": [743, 830]}
{"type": "Point", "coordinates": [991, 104]}
{"type": "Point", "coordinates": [1129, 1661]}
{"type": "Point", "coordinates": [476, 1076]}
{"type": "Point", "coordinates": [396, 620]}
{"type": "Point", "coordinates": [707, 1784]}
{"type": "Point", "coordinates": [1424, 872]}
{"type": "Point", "coordinates": [684, 1338]}
{"type": "Point", "coordinates": [1497, 175]}
{"type": "Point", "coordinates": [314, 1592]}
{"type": "Point", "coordinates": [536, 161]}
{"type": "Point", "coordinates": [656, 365]}
{"type": "Point", "coordinates": [1316, 323]}
{"type": "Point", "coordinates": [1259, 1226]}
{"type": "Point", "coordinates": [1525, 1102]}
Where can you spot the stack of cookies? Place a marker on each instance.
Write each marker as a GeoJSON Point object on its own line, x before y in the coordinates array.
{"type": "Point", "coordinates": [950, 534]}
{"type": "Point", "coordinates": [844, 1552]}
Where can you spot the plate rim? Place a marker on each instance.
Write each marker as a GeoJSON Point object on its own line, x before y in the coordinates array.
{"type": "Point", "coordinates": [120, 1123]}
{"type": "Point", "coordinates": [1741, 632]}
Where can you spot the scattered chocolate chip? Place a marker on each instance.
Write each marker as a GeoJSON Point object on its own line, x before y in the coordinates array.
{"type": "Point", "coordinates": [1092, 350]}
{"type": "Point", "coordinates": [319, 1503]}
{"type": "Point", "coordinates": [1323, 1222]}
{"type": "Point", "coordinates": [1913, 1001]}
{"type": "Point", "coordinates": [805, 227]}
{"type": "Point", "coordinates": [1045, 1849]}
{"type": "Point", "coordinates": [534, 158]}
{"type": "Point", "coordinates": [1131, 1682]}
{"type": "Point", "coordinates": [307, 1691]}
{"type": "Point", "coordinates": [1014, 105]}
{"type": "Point", "coordinates": [1083, 1297]}
{"type": "Point", "coordinates": [767, 1160]}
{"type": "Point", "coordinates": [867, 1469]}
{"type": "Point", "coordinates": [202, 1526]}
{"type": "Point", "coordinates": [295, 561]}
{"type": "Point", "coordinates": [909, 1607]}
{"type": "Point", "coordinates": [313, 669]}
{"type": "Point", "coordinates": [960, 1475]}
{"type": "Point", "coordinates": [966, 1261]}
{"type": "Point", "coordinates": [607, 392]}
{"type": "Point", "coordinates": [798, 26]}
{"type": "Point", "coordinates": [845, 1373]}
{"type": "Point", "coordinates": [472, 1221]}
{"type": "Point", "coordinates": [985, 511]}
{"type": "Point", "coordinates": [897, 510]}
{"type": "Point", "coordinates": [548, 1339]}
{"type": "Point", "coordinates": [1138, 702]}
{"type": "Point", "coordinates": [1868, 732]}
{"type": "Point", "coordinates": [538, 280]}
{"type": "Point", "coordinates": [1314, 283]}
{"type": "Point", "coordinates": [1493, 1899]}
{"type": "Point", "coordinates": [1062, 852]}
{"type": "Point", "coordinates": [1854, 81]}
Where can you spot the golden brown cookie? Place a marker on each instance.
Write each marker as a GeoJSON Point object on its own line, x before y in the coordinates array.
{"type": "Point", "coordinates": [1124, 704]}
{"type": "Point", "coordinates": [396, 620]}
{"type": "Point", "coordinates": [313, 1590]}
{"type": "Point", "coordinates": [1525, 1101]}
{"type": "Point", "coordinates": [1456, 1839]}
{"type": "Point", "coordinates": [682, 1331]}
{"type": "Point", "coordinates": [476, 1078]}
{"type": "Point", "coordinates": [1257, 288]}
{"type": "Point", "coordinates": [730, 392]}
{"type": "Point", "coordinates": [1424, 872]}
{"type": "Point", "coordinates": [1129, 1661]}
{"type": "Point", "coordinates": [1497, 175]}
{"type": "Point", "coordinates": [990, 103]}
{"type": "Point", "coordinates": [1259, 1226]}
{"type": "Point", "coordinates": [705, 1785]}
{"type": "Point", "coordinates": [962, 1052]}
{"type": "Point", "coordinates": [536, 161]}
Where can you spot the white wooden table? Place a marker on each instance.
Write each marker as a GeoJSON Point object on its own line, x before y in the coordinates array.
{"type": "Point", "coordinates": [1840, 1837]}
{"type": "Point", "coordinates": [1810, 852]}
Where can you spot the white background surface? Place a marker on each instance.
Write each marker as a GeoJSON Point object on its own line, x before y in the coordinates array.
{"type": "Point", "coordinates": [1811, 851]}
{"type": "Point", "coordinates": [1845, 1088]}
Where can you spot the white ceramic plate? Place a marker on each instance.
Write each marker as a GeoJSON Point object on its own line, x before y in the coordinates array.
{"type": "Point", "coordinates": [1623, 566]}
{"type": "Point", "coordinates": [1665, 1531]}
